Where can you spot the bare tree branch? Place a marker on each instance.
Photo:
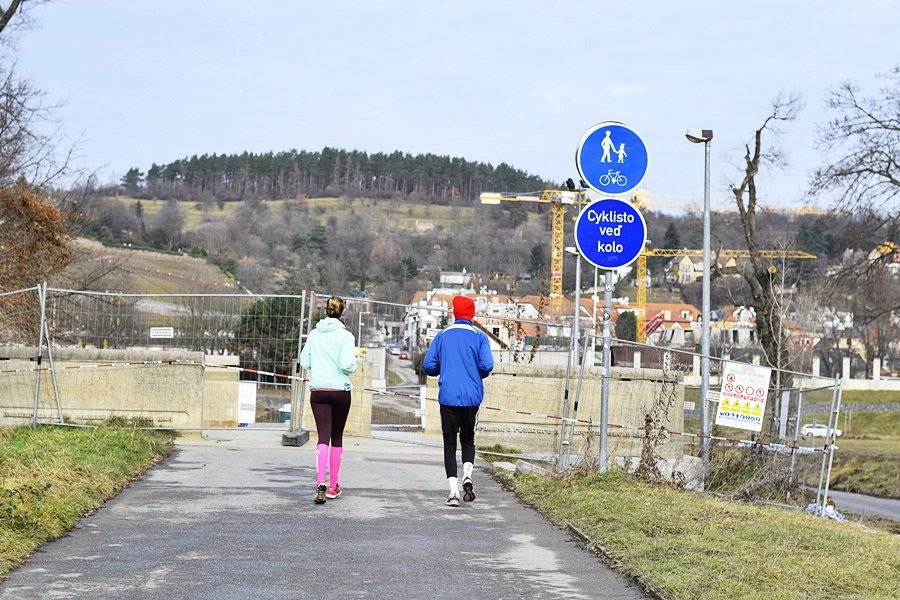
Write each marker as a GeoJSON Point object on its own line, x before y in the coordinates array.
{"type": "Point", "coordinates": [6, 14]}
{"type": "Point", "coordinates": [863, 144]}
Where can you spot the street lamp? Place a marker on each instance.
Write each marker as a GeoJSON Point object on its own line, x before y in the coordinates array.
{"type": "Point", "coordinates": [704, 136]}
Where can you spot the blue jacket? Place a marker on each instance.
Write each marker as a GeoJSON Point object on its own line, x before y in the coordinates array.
{"type": "Point", "coordinates": [461, 356]}
{"type": "Point", "coordinates": [331, 354]}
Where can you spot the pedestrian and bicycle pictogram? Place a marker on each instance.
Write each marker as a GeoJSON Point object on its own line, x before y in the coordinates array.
{"type": "Point", "coordinates": [612, 158]}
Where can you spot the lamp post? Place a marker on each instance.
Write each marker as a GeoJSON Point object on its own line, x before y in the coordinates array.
{"type": "Point", "coordinates": [704, 136]}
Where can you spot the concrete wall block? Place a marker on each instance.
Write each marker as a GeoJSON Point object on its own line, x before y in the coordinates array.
{"type": "Point", "coordinates": [92, 387]}
{"type": "Point", "coordinates": [540, 390]}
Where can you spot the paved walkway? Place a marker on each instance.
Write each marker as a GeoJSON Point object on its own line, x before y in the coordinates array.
{"type": "Point", "coordinates": [860, 504]}
{"type": "Point", "coordinates": [233, 518]}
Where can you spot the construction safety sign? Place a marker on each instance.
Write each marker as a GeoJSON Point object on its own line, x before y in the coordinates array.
{"type": "Point", "coordinates": [744, 391]}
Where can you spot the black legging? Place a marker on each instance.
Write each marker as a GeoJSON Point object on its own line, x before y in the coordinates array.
{"type": "Point", "coordinates": [458, 420]}
{"type": "Point", "coordinates": [330, 409]}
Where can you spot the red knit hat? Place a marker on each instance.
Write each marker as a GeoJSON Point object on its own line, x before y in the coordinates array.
{"type": "Point", "coordinates": [463, 308]}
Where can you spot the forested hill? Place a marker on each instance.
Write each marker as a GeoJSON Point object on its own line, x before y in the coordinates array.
{"type": "Point", "coordinates": [331, 172]}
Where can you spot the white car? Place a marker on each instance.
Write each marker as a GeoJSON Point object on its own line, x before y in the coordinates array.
{"type": "Point", "coordinates": [817, 430]}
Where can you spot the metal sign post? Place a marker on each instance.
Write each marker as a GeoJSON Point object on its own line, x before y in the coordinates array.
{"type": "Point", "coordinates": [609, 234]}
{"type": "Point", "coordinates": [607, 367]}
{"type": "Point", "coordinates": [612, 159]}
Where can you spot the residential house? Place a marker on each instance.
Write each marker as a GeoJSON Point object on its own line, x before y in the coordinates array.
{"type": "Point", "coordinates": [457, 279]}
{"type": "Point", "coordinates": [687, 268]}
{"type": "Point", "coordinates": [733, 326]}
{"type": "Point", "coordinates": [802, 339]}
{"type": "Point", "coordinates": [680, 323]}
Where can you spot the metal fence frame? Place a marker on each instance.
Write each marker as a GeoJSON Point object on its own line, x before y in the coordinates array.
{"type": "Point", "coordinates": [266, 327]}
{"type": "Point", "coordinates": [782, 444]}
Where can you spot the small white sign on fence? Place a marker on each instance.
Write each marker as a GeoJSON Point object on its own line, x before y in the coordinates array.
{"type": "Point", "coordinates": [246, 403]}
{"type": "Point", "coordinates": [162, 333]}
{"type": "Point", "coordinates": [713, 396]}
{"type": "Point", "coordinates": [688, 405]}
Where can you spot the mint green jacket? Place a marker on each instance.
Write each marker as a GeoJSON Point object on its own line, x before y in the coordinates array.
{"type": "Point", "coordinates": [330, 352]}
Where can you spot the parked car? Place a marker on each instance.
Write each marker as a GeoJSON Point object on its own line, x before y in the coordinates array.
{"type": "Point", "coordinates": [817, 430]}
{"type": "Point", "coordinates": [393, 350]}
{"type": "Point", "coordinates": [403, 355]}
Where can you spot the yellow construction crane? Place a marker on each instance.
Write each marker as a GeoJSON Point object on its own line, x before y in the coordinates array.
{"type": "Point", "coordinates": [558, 201]}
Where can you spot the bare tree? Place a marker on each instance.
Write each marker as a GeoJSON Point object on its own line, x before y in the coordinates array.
{"type": "Point", "coordinates": [30, 140]}
{"type": "Point", "coordinates": [32, 147]}
{"type": "Point", "coordinates": [862, 143]}
{"type": "Point", "coordinates": [759, 273]}
{"type": "Point", "coordinates": [6, 14]}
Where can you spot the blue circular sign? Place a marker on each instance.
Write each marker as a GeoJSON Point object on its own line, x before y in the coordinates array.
{"type": "Point", "coordinates": [612, 158]}
{"type": "Point", "coordinates": [610, 233]}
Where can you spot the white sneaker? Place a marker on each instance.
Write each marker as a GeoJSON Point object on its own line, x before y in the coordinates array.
{"type": "Point", "coordinates": [453, 501]}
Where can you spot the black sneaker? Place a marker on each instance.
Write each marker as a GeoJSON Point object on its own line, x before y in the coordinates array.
{"type": "Point", "coordinates": [320, 494]}
{"type": "Point", "coordinates": [468, 490]}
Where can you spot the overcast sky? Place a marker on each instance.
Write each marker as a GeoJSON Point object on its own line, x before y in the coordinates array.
{"type": "Point", "coordinates": [516, 82]}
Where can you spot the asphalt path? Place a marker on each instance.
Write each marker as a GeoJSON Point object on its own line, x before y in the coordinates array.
{"type": "Point", "coordinates": [233, 517]}
{"type": "Point", "coordinates": [404, 369]}
{"type": "Point", "coordinates": [860, 504]}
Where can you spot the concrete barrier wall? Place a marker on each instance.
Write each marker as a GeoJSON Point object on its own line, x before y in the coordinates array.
{"type": "Point", "coordinates": [92, 388]}
{"type": "Point", "coordinates": [220, 392]}
{"type": "Point", "coordinates": [517, 389]}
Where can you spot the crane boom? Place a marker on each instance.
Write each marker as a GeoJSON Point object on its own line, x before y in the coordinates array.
{"type": "Point", "coordinates": [641, 283]}
{"type": "Point", "coordinates": [558, 200]}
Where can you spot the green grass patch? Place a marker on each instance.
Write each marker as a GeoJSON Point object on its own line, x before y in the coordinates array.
{"type": "Point", "coordinates": [867, 459]}
{"type": "Point", "coordinates": [495, 452]}
{"type": "Point", "coordinates": [869, 445]}
{"type": "Point", "coordinates": [866, 474]}
{"type": "Point", "coordinates": [695, 546]}
{"type": "Point", "coordinates": [880, 424]}
{"type": "Point", "coordinates": [393, 378]}
{"type": "Point", "coordinates": [141, 271]}
{"type": "Point", "coordinates": [51, 476]}
{"type": "Point", "coordinates": [852, 397]}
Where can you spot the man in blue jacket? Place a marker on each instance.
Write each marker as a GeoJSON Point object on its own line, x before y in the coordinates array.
{"type": "Point", "coordinates": [461, 356]}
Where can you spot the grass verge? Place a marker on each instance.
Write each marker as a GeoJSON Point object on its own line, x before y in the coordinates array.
{"type": "Point", "coordinates": [688, 545]}
{"type": "Point", "coordinates": [51, 476]}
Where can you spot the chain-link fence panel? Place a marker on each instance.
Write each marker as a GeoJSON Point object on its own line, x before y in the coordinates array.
{"type": "Point", "coordinates": [244, 349]}
{"type": "Point", "coordinates": [20, 318]}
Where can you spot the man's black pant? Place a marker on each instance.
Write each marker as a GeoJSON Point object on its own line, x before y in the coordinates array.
{"type": "Point", "coordinates": [458, 420]}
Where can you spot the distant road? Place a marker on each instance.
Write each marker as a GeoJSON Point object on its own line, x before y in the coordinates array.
{"type": "Point", "coordinates": [861, 504]}
{"type": "Point", "coordinates": [403, 368]}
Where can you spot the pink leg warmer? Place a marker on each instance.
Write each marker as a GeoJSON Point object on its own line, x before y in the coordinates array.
{"type": "Point", "coordinates": [321, 462]}
{"type": "Point", "coordinates": [337, 455]}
